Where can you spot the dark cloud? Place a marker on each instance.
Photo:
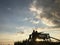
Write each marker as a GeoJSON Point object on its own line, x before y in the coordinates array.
{"type": "Point", "coordinates": [50, 13]}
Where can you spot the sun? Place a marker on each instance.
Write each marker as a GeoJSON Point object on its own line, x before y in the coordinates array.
{"type": "Point", "coordinates": [37, 40]}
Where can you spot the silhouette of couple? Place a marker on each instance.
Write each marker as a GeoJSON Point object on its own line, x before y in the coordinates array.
{"type": "Point", "coordinates": [33, 35]}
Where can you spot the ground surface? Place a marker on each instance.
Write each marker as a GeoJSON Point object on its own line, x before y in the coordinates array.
{"type": "Point", "coordinates": [36, 43]}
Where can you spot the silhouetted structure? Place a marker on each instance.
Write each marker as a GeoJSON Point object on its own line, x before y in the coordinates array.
{"type": "Point", "coordinates": [32, 37]}
{"type": "Point", "coordinates": [40, 35]}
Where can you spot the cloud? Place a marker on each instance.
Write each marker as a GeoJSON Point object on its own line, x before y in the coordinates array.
{"type": "Point", "coordinates": [25, 29]}
{"type": "Point", "coordinates": [32, 20]}
{"type": "Point", "coordinates": [45, 29]}
{"type": "Point", "coordinates": [47, 11]}
{"type": "Point", "coordinates": [26, 19]}
{"type": "Point", "coordinates": [20, 27]}
{"type": "Point", "coordinates": [9, 8]}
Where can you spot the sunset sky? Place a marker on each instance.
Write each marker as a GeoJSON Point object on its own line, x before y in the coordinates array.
{"type": "Point", "coordinates": [18, 18]}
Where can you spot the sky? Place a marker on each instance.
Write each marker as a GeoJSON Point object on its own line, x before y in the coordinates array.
{"type": "Point", "coordinates": [18, 18]}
